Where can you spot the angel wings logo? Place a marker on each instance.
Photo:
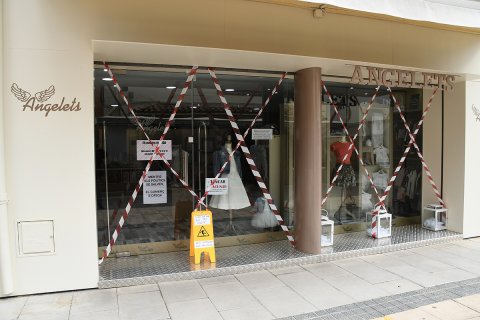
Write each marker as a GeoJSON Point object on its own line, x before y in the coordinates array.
{"type": "Point", "coordinates": [37, 102]}
{"type": "Point", "coordinates": [476, 112]}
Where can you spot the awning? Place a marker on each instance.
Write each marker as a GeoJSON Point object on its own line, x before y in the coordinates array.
{"type": "Point", "coordinates": [465, 13]}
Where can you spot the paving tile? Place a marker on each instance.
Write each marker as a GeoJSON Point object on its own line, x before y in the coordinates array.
{"type": "Point", "coordinates": [181, 291]}
{"type": "Point", "coordinates": [89, 301]}
{"type": "Point", "coordinates": [215, 280]}
{"type": "Point", "coordinates": [424, 263]}
{"type": "Point", "coordinates": [423, 278]}
{"type": "Point", "coordinates": [56, 309]}
{"type": "Point", "coordinates": [398, 286]}
{"type": "Point", "coordinates": [97, 315]}
{"type": "Point", "coordinates": [357, 288]}
{"type": "Point", "coordinates": [454, 275]}
{"type": "Point", "coordinates": [366, 271]}
{"type": "Point", "coordinates": [472, 301]}
{"type": "Point", "coordinates": [10, 308]}
{"type": "Point", "coordinates": [247, 313]}
{"type": "Point", "coordinates": [61, 298]}
{"type": "Point", "coordinates": [449, 258]}
{"type": "Point", "coordinates": [283, 301]}
{"type": "Point", "coordinates": [230, 295]}
{"type": "Point", "coordinates": [325, 270]}
{"type": "Point", "coordinates": [142, 305]}
{"type": "Point", "coordinates": [414, 314]}
{"type": "Point", "coordinates": [450, 310]}
{"type": "Point", "coordinates": [259, 280]}
{"type": "Point", "coordinates": [277, 271]}
{"type": "Point", "coordinates": [316, 291]}
{"type": "Point", "coordinates": [201, 309]}
{"type": "Point", "coordinates": [138, 289]}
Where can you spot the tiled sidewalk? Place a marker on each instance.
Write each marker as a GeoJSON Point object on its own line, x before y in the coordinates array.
{"type": "Point", "coordinates": [333, 290]}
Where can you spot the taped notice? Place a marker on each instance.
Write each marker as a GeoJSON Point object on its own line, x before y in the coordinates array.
{"type": "Point", "coordinates": [155, 187]}
{"type": "Point", "coordinates": [145, 149]}
{"type": "Point", "coordinates": [262, 134]}
{"type": "Point", "coordinates": [219, 187]}
{"type": "Point", "coordinates": [201, 220]}
{"type": "Point", "coordinates": [204, 244]}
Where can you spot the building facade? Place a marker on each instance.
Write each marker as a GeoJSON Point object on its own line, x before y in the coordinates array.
{"type": "Point", "coordinates": [69, 151]}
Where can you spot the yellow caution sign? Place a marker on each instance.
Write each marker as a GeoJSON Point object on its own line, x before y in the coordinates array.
{"type": "Point", "coordinates": [201, 236]}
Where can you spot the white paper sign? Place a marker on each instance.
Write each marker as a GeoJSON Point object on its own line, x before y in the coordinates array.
{"type": "Point", "coordinates": [201, 220]}
{"type": "Point", "coordinates": [219, 187]}
{"type": "Point", "coordinates": [155, 187]}
{"type": "Point", "coordinates": [204, 244]}
{"type": "Point", "coordinates": [262, 134]}
{"type": "Point", "coordinates": [145, 149]}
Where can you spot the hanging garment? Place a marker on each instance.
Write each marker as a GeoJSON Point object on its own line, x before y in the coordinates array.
{"type": "Point", "coordinates": [380, 179]}
{"type": "Point", "coordinates": [264, 217]}
{"type": "Point", "coordinates": [377, 129]}
{"type": "Point", "coordinates": [236, 198]}
{"type": "Point", "coordinates": [340, 149]}
{"type": "Point", "coordinates": [411, 183]}
{"type": "Point", "coordinates": [367, 201]}
{"type": "Point", "coordinates": [381, 156]}
{"type": "Point", "coordinates": [346, 176]}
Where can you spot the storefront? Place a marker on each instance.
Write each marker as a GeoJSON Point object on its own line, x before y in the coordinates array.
{"type": "Point", "coordinates": [74, 151]}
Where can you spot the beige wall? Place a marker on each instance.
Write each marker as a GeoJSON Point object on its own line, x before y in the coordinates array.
{"type": "Point", "coordinates": [50, 161]}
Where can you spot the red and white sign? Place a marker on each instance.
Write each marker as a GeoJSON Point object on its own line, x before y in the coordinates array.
{"type": "Point", "coordinates": [145, 149]}
{"type": "Point", "coordinates": [220, 186]}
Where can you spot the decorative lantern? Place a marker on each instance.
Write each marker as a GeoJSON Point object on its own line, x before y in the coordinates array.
{"type": "Point", "coordinates": [327, 230]}
{"type": "Point", "coordinates": [434, 217]}
{"type": "Point", "coordinates": [379, 225]}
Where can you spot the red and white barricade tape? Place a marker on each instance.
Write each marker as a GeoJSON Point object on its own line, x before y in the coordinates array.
{"type": "Point", "coordinates": [405, 153]}
{"type": "Point", "coordinates": [419, 153]}
{"type": "Point", "coordinates": [352, 143]}
{"type": "Point", "coordinates": [157, 152]}
{"type": "Point", "coordinates": [230, 155]}
{"type": "Point", "coordinates": [248, 156]}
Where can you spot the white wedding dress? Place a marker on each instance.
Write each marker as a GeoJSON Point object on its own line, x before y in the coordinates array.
{"type": "Point", "coordinates": [236, 198]}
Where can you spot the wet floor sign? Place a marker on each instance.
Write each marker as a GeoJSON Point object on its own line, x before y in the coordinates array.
{"type": "Point", "coordinates": [201, 236]}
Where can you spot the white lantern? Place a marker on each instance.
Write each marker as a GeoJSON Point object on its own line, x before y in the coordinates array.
{"type": "Point", "coordinates": [379, 225]}
{"type": "Point", "coordinates": [434, 217]}
{"type": "Point", "coordinates": [327, 230]}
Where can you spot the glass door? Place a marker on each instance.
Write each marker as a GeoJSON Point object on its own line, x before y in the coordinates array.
{"type": "Point", "coordinates": [196, 146]}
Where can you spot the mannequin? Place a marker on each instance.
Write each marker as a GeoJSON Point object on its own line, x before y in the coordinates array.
{"type": "Point", "coordinates": [236, 198]}
{"type": "Point", "coordinates": [346, 177]}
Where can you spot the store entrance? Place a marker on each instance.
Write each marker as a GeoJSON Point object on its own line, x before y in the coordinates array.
{"type": "Point", "coordinates": [195, 146]}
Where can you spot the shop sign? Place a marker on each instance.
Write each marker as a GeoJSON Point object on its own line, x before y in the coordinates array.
{"type": "Point", "coordinates": [145, 149]}
{"type": "Point", "coordinates": [37, 102]}
{"type": "Point", "coordinates": [476, 113]}
{"type": "Point", "coordinates": [155, 187]}
{"type": "Point", "coordinates": [401, 78]}
{"type": "Point", "coordinates": [220, 186]}
{"type": "Point", "coordinates": [262, 134]}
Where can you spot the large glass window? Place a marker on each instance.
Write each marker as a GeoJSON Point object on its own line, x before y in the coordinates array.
{"type": "Point", "coordinates": [380, 144]}
{"type": "Point", "coordinates": [196, 147]}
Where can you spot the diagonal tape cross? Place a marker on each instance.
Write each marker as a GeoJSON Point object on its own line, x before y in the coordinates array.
{"type": "Point", "coordinates": [352, 144]}
{"type": "Point", "coordinates": [156, 153]}
{"type": "Point", "coordinates": [249, 158]}
{"type": "Point", "coordinates": [404, 156]}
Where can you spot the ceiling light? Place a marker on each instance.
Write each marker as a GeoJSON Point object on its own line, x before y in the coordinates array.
{"type": "Point", "coordinates": [114, 105]}
{"type": "Point", "coordinates": [107, 79]}
{"type": "Point", "coordinates": [171, 87]}
{"type": "Point", "coordinates": [248, 94]}
{"type": "Point", "coordinates": [106, 70]}
{"type": "Point", "coordinates": [229, 90]}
